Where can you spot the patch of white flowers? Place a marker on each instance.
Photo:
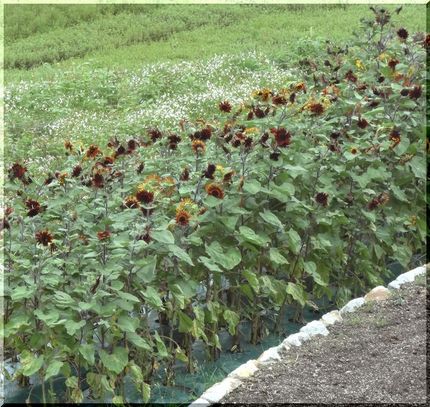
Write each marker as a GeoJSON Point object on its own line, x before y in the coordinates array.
{"type": "Point", "coordinates": [91, 105]}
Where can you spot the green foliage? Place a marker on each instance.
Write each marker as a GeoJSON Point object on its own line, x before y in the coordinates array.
{"type": "Point", "coordinates": [297, 194]}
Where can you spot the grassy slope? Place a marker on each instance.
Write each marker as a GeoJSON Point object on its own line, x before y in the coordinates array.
{"type": "Point", "coordinates": [131, 36]}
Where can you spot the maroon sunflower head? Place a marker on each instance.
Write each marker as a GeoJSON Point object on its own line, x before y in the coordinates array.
{"type": "Point", "coordinates": [174, 139]}
{"type": "Point", "coordinates": [248, 143]}
{"type": "Point", "coordinates": [49, 179]}
{"type": "Point", "coordinates": [404, 92]}
{"type": "Point", "coordinates": [415, 92]}
{"type": "Point", "coordinates": [210, 170]}
{"type": "Point", "coordinates": [206, 133]}
{"type": "Point", "coordinates": [250, 115]}
{"type": "Point", "coordinates": [225, 106]}
{"type": "Point", "coordinates": [260, 113]}
{"type": "Point", "coordinates": [155, 134]}
{"type": "Point", "coordinates": [33, 207]}
{"type": "Point", "coordinates": [274, 156]}
{"type": "Point", "coordinates": [322, 198]}
{"type": "Point", "coordinates": [349, 76]}
{"type": "Point", "coordinates": [145, 237]}
{"type": "Point", "coordinates": [76, 171]}
{"type": "Point", "coordinates": [44, 237]}
{"type": "Point", "coordinates": [215, 190]}
{"type": "Point", "coordinates": [183, 218]}
{"type": "Point", "coordinates": [131, 202]}
{"type": "Point", "coordinates": [132, 144]}
{"type": "Point", "coordinates": [98, 180]}
{"type": "Point", "coordinates": [362, 123]}
{"type": "Point", "coordinates": [392, 63]}
{"type": "Point", "coordinates": [402, 34]}
{"type": "Point", "coordinates": [140, 168]}
{"type": "Point", "coordinates": [68, 145]}
{"type": "Point", "coordinates": [282, 137]}
{"type": "Point", "coordinates": [17, 171]}
{"type": "Point", "coordinates": [279, 100]}
{"type": "Point", "coordinates": [93, 151]}
{"type": "Point", "coordinates": [145, 196]}
{"type": "Point", "coordinates": [373, 204]}
{"type": "Point", "coordinates": [120, 151]}
{"type": "Point", "coordinates": [316, 108]}
{"type": "Point", "coordinates": [227, 177]}
{"type": "Point", "coordinates": [292, 97]}
{"type": "Point", "coordinates": [185, 176]}
{"type": "Point", "coordinates": [103, 235]}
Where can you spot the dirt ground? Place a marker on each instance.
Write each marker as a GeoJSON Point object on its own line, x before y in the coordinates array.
{"type": "Point", "coordinates": [377, 354]}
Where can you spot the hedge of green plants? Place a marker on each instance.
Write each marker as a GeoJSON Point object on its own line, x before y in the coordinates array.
{"type": "Point", "coordinates": [298, 194]}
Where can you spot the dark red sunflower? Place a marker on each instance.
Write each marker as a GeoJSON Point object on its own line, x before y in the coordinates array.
{"type": "Point", "coordinates": [402, 34]}
{"type": "Point", "coordinates": [44, 237]}
{"type": "Point", "coordinates": [103, 235]}
{"type": "Point", "coordinates": [131, 202]}
{"type": "Point", "coordinates": [33, 207]}
{"type": "Point", "coordinates": [260, 113]}
{"type": "Point", "coordinates": [227, 177]}
{"type": "Point", "coordinates": [316, 108]}
{"type": "Point", "coordinates": [415, 92]}
{"type": "Point", "coordinates": [93, 151]}
{"type": "Point", "coordinates": [392, 63]}
{"type": "Point", "coordinates": [322, 198]}
{"type": "Point", "coordinates": [145, 196]}
{"type": "Point", "coordinates": [140, 168]}
{"type": "Point", "coordinates": [68, 145]}
{"type": "Point", "coordinates": [350, 76]}
{"type": "Point", "coordinates": [225, 106]}
{"type": "Point", "coordinates": [215, 190]}
{"type": "Point", "coordinates": [206, 133]}
{"type": "Point", "coordinates": [155, 134]}
{"type": "Point", "coordinates": [362, 123]}
{"type": "Point", "coordinates": [279, 100]}
{"type": "Point", "coordinates": [76, 171]}
{"type": "Point", "coordinates": [183, 218]}
{"type": "Point", "coordinates": [132, 144]}
{"type": "Point", "coordinates": [145, 237]}
{"type": "Point", "coordinates": [210, 171]}
{"type": "Point", "coordinates": [17, 171]}
{"type": "Point", "coordinates": [282, 137]}
{"type": "Point", "coordinates": [274, 156]}
{"type": "Point", "coordinates": [404, 92]}
{"type": "Point", "coordinates": [185, 176]}
{"type": "Point", "coordinates": [98, 180]}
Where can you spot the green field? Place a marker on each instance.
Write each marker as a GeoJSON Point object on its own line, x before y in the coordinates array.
{"type": "Point", "coordinates": [88, 72]}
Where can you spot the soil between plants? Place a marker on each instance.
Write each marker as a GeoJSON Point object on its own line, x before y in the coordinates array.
{"type": "Point", "coordinates": [377, 354]}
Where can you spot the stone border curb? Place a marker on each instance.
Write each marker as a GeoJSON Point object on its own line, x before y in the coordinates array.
{"type": "Point", "coordinates": [317, 327]}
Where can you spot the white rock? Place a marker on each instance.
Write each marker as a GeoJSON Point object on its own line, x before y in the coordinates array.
{"type": "Point", "coordinates": [199, 402]}
{"type": "Point", "coordinates": [314, 328]}
{"type": "Point", "coordinates": [331, 317]}
{"type": "Point", "coordinates": [220, 390]}
{"type": "Point", "coordinates": [270, 355]}
{"type": "Point", "coordinates": [407, 277]}
{"type": "Point", "coordinates": [352, 305]}
{"type": "Point", "coordinates": [296, 339]}
{"type": "Point", "coordinates": [245, 370]}
{"type": "Point", "coordinates": [379, 293]}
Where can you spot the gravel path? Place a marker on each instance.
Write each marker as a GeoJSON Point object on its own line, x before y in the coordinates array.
{"type": "Point", "coordinates": [377, 354]}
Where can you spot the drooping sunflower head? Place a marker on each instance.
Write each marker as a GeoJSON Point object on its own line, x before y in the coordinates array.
{"type": "Point", "coordinates": [198, 146]}
{"type": "Point", "coordinates": [215, 190]}
{"type": "Point", "coordinates": [44, 237]}
{"type": "Point", "coordinates": [225, 106]}
{"type": "Point", "coordinates": [131, 202]}
{"type": "Point", "coordinates": [183, 218]}
{"type": "Point", "coordinates": [322, 198]}
{"type": "Point", "coordinates": [93, 151]}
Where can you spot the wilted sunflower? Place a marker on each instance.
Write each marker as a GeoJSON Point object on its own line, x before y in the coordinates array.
{"type": "Point", "coordinates": [98, 180]}
{"type": "Point", "coordinates": [103, 235]}
{"type": "Point", "coordinates": [198, 146]}
{"type": "Point", "coordinates": [362, 123]}
{"type": "Point", "coordinates": [210, 170]}
{"type": "Point", "coordinates": [93, 151]}
{"type": "Point", "coordinates": [183, 218]}
{"type": "Point", "coordinates": [225, 106]}
{"type": "Point", "coordinates": [44, 237]}
{"type": "Point", "coordinates": [215, 190]}
{"type": "Point", "coordinates": [131, 202]}
{"type": "Point", "coordinates": [185, 176]}
{"type": "Point", "coordinates": [282, 137]}
{"type": "Point", "coordinates": [322, 198]}
{"type": "Point", "coordinates": [415, 93]}
{"type": "Point", "coordinates": [144, 196]}
{"type": "Point", "coordinates": [155, 134]}
{"type": "Point", "coordinates": [402, 34]}
{"type": "Point", "coordinates": [77, 169]}
{"type": "Point", "coordinates": [33, 207]}
{"type": "Point", "coordinates": [17, 171]}
{"type": "Point", "coordinates": [395, 137]}
{"type": "Point", "coordinates": [68, 145]}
